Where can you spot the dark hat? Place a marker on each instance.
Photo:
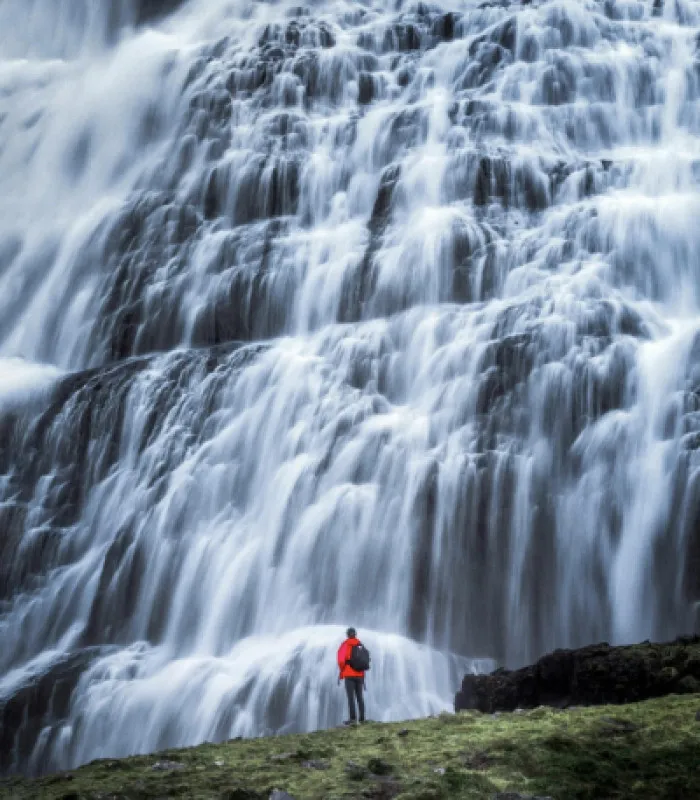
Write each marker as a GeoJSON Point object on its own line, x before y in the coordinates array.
{"type": "Point", "coordinates": [351, 633]}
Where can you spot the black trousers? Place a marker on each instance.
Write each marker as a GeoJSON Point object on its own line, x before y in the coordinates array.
{"type": "Point", "coordinates": [354, 689]}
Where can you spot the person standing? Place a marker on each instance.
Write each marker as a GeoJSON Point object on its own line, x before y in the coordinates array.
{"type": "Point", "coordinates": [353, 662]}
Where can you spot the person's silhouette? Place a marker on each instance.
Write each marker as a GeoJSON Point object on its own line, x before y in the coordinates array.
{"type": "Point", "coordinates": [352, 650]}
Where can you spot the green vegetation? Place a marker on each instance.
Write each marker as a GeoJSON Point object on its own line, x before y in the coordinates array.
{"type": "Point", "coordinates": [643, 750]}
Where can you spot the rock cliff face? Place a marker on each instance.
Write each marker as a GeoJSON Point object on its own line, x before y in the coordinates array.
{"type": "Point", "coordinates": [590, 676]}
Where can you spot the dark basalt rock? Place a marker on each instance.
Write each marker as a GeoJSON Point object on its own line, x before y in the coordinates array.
{"type": "Point", "coordinates": [149, 10]}
{"type": "Point", "coordinates": [593, 675]}
{"type": "Point", "coordinates": [40, 705]}
{"type": "Point", "coordinates": [378, 766]}
{"type": "Point", "coordinates": [245, 794]}
{"type": "Point", "coordinates": [365, 88]}
{"type": "Point", "coordinates": [444, 26]}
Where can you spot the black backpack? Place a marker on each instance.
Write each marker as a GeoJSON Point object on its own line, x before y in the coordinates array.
{"type": "Point", "coordinates": [359, 658]}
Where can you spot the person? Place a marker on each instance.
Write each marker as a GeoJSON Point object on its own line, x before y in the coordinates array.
{"type": "Point", "coordinates": [354, 679]}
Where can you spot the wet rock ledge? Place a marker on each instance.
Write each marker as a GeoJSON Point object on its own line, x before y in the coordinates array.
{"type": "Point", "coordinates": [595, 675]}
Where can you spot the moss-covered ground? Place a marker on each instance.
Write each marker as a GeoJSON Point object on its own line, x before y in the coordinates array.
{"type": "Point", "coordinates": [644, 750]}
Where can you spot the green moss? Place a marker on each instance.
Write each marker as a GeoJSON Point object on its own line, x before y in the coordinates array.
{"type": "Point", "coordinates": [644, 750]}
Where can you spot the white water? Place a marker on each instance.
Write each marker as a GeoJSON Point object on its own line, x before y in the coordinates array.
{"type": "Point", "coordinates": [20, 381]}
{"type": "Point", "coordinates": [469, 431]}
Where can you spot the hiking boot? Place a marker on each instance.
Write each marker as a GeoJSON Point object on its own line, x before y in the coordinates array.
{"type": "Point", "coordinates": [349, 722]}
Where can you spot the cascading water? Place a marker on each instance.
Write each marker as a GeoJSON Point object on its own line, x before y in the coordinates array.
{"type": "Point", "coordinates": [354, 313]}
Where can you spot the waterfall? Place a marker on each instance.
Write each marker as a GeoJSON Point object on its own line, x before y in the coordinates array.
{"type": "Point", "coordinates": [373, 313]}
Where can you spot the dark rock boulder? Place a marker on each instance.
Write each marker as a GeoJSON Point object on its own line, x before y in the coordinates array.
{"type": "Point", "coordinates": [244, 794]}
{"type": "Point", "coordinates": [593, 675]}
{"type": "Point", "coordinates": [149, 10]}
{"type": "Point", "coordinates": [378, 766]}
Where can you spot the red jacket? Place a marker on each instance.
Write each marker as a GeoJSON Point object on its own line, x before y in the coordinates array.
{"type": "Point", "coordinates": [344, 653]}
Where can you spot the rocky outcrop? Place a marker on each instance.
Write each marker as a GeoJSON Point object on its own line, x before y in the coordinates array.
{"type": "Point", "coordinates": [592, 675]}
{"type": "Point", "coordinates": [31, 715]}
{"type": "Point", "coordinates": [148, 10]}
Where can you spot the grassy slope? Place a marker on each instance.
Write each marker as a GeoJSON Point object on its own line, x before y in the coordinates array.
{"type": "Point", "coordinates": [578, 753]}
